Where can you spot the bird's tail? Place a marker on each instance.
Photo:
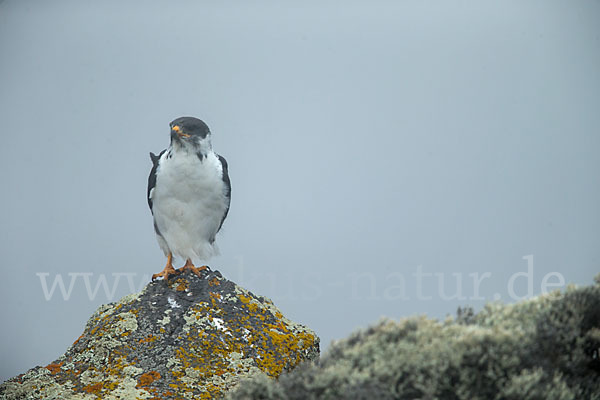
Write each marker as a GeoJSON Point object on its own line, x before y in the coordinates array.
{"type": "Point", "coordinates": [206, 251]}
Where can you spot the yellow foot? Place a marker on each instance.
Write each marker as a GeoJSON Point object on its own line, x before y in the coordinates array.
{"type": "Point", "coordinates": [190, 267]}
{"type": "Point", "coordinates": [169, 270]}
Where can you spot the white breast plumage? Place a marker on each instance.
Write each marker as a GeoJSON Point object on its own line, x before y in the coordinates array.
{"type": "Point", "coordinates": [189, 202]}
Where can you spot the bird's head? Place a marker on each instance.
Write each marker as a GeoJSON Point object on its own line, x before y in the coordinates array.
{"type": "Point", "coordinates": [190, 134]}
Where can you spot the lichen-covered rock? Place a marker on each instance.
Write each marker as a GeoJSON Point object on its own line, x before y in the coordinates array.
{"type": "Point", "coordinates": [188, 338]}
{"type": "Point", "coordinates": [546, 348]}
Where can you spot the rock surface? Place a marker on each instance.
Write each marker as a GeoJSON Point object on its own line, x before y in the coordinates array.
{"type": "Point", "coordinates": [189, 338]}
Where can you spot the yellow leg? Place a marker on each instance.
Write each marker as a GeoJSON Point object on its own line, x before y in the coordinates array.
{"type": "Point", "coordinates": [169, 270]}
{"type": "Point", "coordinates": [189, 266]}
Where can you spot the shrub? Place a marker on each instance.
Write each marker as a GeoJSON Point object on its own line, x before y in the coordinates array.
{"type": "Point", "coordinates": [542, 348]}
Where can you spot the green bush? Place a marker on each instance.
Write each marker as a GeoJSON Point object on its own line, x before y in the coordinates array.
{"type": "Point", "coordinates": [546, 348]}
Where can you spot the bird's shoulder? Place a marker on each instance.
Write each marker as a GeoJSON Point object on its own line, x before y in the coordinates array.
{"type": "Point", "coordinates": [152, 177]}
{"type": "Point", "coordinates": [227, 183]}
{"type": "Point", "coordinates": [225, 171]}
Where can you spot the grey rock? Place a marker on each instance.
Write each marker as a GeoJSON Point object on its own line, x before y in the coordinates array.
{"type": "Point", "coordinates": [186, 338]}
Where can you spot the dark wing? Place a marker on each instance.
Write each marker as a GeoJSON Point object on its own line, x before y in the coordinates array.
{"type": "Point", "coordinates": [227, 183]}
{"type": "Point", "coordinates": [152, 177]}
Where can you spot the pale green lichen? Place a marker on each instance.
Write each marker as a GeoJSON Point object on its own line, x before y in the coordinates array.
{"type": "Point", "coordinates": [127, 323]}
{"type": "Point", "coordinates": [127, 389]}
{"type": "Point", "coordinates": [166, 319]}
{"type": "Point", "coordinates": [198, 318]}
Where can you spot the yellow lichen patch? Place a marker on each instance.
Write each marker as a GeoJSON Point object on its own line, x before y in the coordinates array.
{"type": "Point", "coordinates": [281, 326]}
{"type": "Point", "coordinates": [54, 368]}
{"type": "Point", "coordinates": [147, 378]}
{"type": "Point", "coordinates": [249, 302]}
{"type": "Point", "coordinates": [244, 299]}
{"type": "Point", "coordinates": [215, 297]}
{"type": "Point", "coordinates": [286, 346]}
{"type": "Point", "coordinates": [202, 360]}
{"type": "Point", "coordinates": [110, 386]}
{"type": "Point", "coordinates": [214, 282]}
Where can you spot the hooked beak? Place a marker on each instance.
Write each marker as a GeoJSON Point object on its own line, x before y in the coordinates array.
{"type": "Point", "coordinates": [177, 133]}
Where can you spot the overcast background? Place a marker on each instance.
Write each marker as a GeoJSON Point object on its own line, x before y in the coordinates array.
{"type": "Point", "coordinates": [366, 143]}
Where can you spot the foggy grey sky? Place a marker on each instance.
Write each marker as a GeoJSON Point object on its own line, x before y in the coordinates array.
{"type": "Point", "coordinates": [365, 143]}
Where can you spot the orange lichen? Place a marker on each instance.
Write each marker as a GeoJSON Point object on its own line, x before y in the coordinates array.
{"type": "Point", "coordinates": [214, 282]}
{"type": "Point", "coordinates": [78, 339]}
{"type": "Point", "coordinates": [147, 378]}
{"type": "Point", "coordinates": [149, 339]}
{"type": "Point", "coordinates": [93, 388]}
{"type": "Point", "coordinates": [54, 368]}
{"type": "Point", "coordinates": [180, 285]}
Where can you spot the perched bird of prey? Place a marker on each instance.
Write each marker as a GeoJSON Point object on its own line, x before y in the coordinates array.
{"type": "Point", "coordinates": [189, 194]}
